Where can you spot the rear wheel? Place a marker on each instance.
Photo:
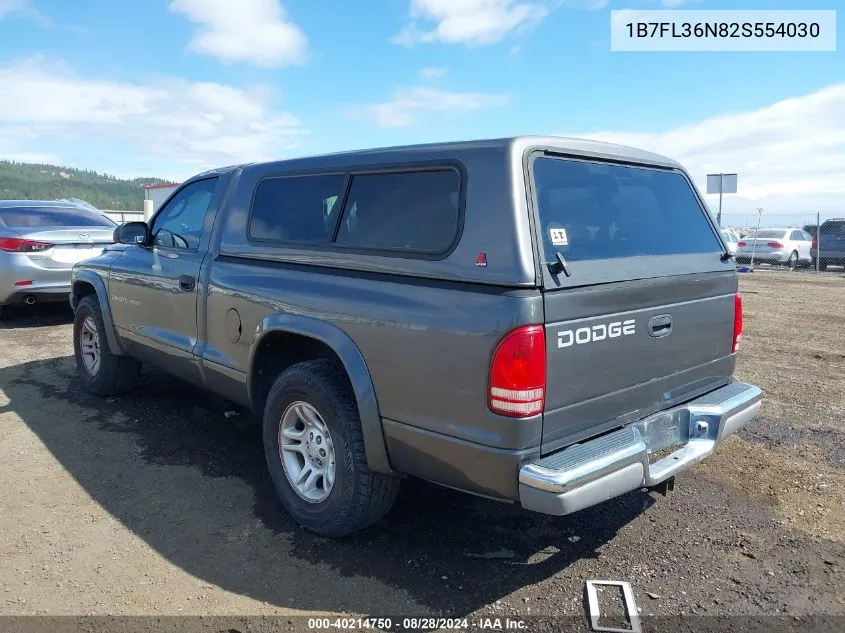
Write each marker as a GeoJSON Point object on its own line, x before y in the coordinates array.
{"type": "Point", "coordinates": [314, 447]}
{"type": "Point", "coordinates": [792, 262]}
{"type": "Point", "coordinates": [102, 372]}
{"type": "Point", "coordinates": [822, 265]}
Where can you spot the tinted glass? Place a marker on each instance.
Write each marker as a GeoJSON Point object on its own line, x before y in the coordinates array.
{"type": "Point", "coordinates": [179, 224]}
{"type": "Point", "coordinates": [832, 227]}
{"type": "Point", "coordinates": [296, 209]}
{"type": "Point", "coordinates": [597, 211]}
{"type": "Point", "coordinates": [413, 211]}
{"type": "Point", "coordinates": [768, 235]}
{"type": "Point", "coordinates": [797, 236]}
{"type": "Point", "coordinates": [48, 217]}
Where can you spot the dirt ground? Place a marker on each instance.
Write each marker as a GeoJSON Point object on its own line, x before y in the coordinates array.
{"type": "Point", "coordinates": [158, 503]}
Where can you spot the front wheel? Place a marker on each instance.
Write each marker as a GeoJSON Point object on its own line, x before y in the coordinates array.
{"type": "Point", "coordinates": [102, 372]}
{"type": "Point", "coordinates": [314, 447]}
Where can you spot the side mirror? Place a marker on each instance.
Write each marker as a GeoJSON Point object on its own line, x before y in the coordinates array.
{"type": "Point", "coordinates": [132, 233]}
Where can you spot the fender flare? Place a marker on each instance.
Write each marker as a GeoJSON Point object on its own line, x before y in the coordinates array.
{"type": "Point", "coordinates": [92, 278]}
{"type": "Point", "coordinates": [353, 361]}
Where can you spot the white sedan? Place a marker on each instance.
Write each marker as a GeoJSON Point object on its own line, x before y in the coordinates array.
{"type": "Point", "coordinates": [790, 247]}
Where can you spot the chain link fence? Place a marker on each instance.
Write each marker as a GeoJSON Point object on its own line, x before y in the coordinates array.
{"type": "Point", "coordinates": [815, 246]}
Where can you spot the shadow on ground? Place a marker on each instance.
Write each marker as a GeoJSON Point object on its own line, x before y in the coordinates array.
{"type": "Point", "coordinates": [39, 315]}
{"type": "Point", "coordinates": [190, 481]}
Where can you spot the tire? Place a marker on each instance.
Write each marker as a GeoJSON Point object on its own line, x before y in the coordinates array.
{"type": "Point", "coordinates": [792, 262]}
{"type": "Point", "coordinates": [356, 498]}
{"type": "Point", "coordinates": [115, 375]}
{"type": "Point", "coordinates": [822, 266]}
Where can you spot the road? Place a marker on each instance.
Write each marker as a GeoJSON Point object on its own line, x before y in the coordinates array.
{"type": "Point", "coordinates": [158, 503]}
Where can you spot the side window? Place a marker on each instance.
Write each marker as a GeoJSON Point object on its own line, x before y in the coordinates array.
{"type": "Point", "coordinates": [296, 208]}
{"type": "Point", "coordinates": [179, 224]}
{"type": "Point", "coordinates": [798, 236]}
{"type": "Point", "coordinates": [833, 228]}
{"type": "Point", "coordinates": [408, 211]}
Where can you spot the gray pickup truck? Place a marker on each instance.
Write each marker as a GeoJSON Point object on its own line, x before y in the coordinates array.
{"type": "Point", "coordinates": [544, 321]}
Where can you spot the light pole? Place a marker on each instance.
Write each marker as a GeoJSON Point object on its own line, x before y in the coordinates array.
{"type": "Point", "coordinates": [754, 246]}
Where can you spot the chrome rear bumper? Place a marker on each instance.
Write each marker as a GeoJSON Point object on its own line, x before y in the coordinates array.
{"type": "Point", "coordinates": [605, 467]}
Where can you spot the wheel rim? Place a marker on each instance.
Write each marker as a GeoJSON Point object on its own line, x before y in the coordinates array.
{"type": "Point", "coordinates": [89, 346]}
{"type": "Point", "coordinates": [307, 452]}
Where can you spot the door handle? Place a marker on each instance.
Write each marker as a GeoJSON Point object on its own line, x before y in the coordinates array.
{"type": "Point", "coordinates": [187, 283]}
{"type": "Point", "coordinates": [659, 325]}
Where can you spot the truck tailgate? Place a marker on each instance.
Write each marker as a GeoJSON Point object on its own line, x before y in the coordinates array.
{"type": "Point", "coordinates": [619, 352]}
{"type": "Point", "coordinates": [639, 293]}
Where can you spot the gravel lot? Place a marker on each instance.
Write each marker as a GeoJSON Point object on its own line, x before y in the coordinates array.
{"type": "Point", "coordinates": [158, 503]}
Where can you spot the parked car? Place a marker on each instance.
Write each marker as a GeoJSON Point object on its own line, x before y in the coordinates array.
{"type": "Point", "coordinates": [788, 247]}
{"type": "Point", "coordinates": [832, 248]}
{"type": "Point", "coordinates": [530, 320]}
{"type": "Point", "coordinates": [39, 243]}
{"type": "Point", "coordinates": [810, 228]}
{"type": "Point", "coordinates": [731, 240]}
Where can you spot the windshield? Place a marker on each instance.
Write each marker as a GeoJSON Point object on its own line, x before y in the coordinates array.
{"type": "Point", "coordinates": [591, 211]}
{"type": "Point", "coordinates": [50, 217]}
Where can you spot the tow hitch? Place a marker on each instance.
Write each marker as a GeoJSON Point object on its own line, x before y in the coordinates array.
{"type": "Point", "coordinates": [664, 487]}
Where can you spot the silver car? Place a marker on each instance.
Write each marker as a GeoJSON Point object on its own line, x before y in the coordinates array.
{"type": "Point", "coordinates": [731, 240]}
{"type": "Point", "coordinates": [790, 247]}
{"type": "Point", "coordinates": [40, 242]}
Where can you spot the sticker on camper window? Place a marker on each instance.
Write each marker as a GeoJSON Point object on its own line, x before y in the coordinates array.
{"type": "Point", "coordinates": [558, 236]}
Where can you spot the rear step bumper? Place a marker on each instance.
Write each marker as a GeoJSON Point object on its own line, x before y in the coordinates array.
{"type": "Point", "coordinates": [594, 471]}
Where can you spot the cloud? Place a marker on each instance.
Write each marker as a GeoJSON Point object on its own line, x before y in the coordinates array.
{"type": "Point", "coordinates": [252, 31]}
{"type": "Point", "coordinates": [25, 9]}
{"type": "Point", "coordinates": [408, 104]}
{"type": "Point", "coordinates": [432, 73]}
{"type": "Point", "coordinates": [13, 6]}
{"type": "Point", "coordinates": [187, 123]}
{"type": "Point", "coordinates": [790, 156]}
{"type": "Point", "coordinates": [477, 22]}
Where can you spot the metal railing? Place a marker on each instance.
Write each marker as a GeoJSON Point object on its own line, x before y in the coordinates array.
{"type": "Point", "coordinates": [122, 217]}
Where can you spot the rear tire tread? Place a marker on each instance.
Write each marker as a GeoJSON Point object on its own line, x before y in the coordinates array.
{"type": "Point", "coordinates": [373, 496]}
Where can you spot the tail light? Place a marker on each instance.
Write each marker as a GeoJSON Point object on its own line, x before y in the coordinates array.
{"type": "Point", "coordinates": [775, 244]}
{"type": "Point", "coordinates": [815, 242]}
{"type": "Point", "coordinates": [740, 243]}
{"type": "Point", "coordinates": [16, 245]}
{"type": "Point", "coordinates": [737, 323]}
{"type": "Point", "coordinates": [517, 386]}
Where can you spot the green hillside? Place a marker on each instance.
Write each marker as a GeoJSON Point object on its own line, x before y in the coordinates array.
{"type": "Point", "coordinates": [28, 181]}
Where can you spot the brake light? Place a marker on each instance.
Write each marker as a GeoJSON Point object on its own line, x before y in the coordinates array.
{"type": "Point", "coordinates": [814, 243]}
{"type": "Point", "coordinates": [737, 323]}
{"type": "Point", "coordinates": [775, 244]}
{"type": "Point", "coordinates": [517, 386]}
{"type": "Point", "coordinates": [17, 245]}
{"type": "Point", "coordinates": [741, 244]}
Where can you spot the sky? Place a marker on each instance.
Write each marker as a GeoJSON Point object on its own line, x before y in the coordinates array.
{"type": "Point", "coordinates": [169, 88]}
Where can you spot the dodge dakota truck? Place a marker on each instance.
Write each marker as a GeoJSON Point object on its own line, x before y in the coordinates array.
{"type": "Point", "coordinates": [544, 321]}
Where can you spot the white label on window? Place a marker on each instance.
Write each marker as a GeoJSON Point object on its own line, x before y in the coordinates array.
{"type": "Point", "coordinates": [559, 237]}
